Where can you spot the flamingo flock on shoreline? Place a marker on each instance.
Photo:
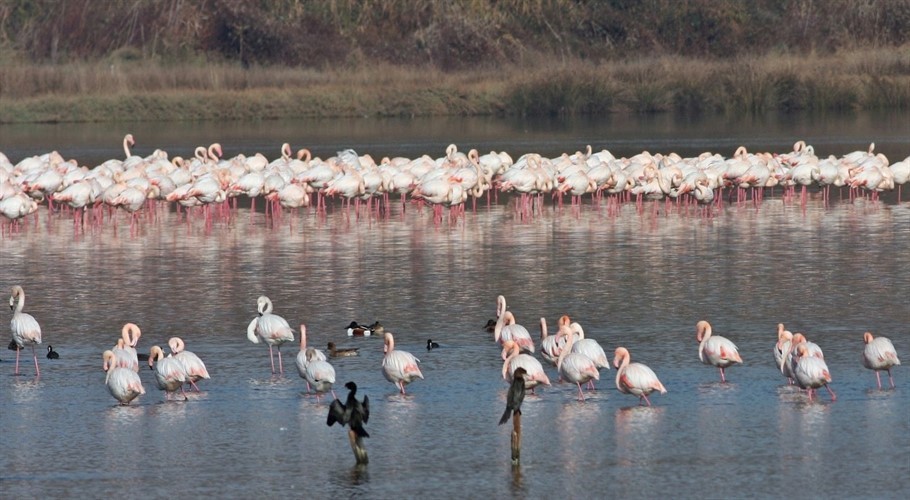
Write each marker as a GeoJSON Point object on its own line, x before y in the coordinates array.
{"type": "Point", "coordinates": [578, 359]}
{"type": "Point", "coordinates": [209, 185]}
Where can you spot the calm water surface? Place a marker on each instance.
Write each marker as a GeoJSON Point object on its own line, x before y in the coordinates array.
{"type": "Point", "coordinates": [637, 279]}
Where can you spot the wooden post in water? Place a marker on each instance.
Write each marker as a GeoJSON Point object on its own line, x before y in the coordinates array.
{"type": "Point", "coordinates": [360, 453]}
{"type": "Point", "coordinates": [516, 437]}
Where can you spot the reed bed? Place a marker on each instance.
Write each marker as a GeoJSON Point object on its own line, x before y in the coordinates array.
{"type": "Point", "coordinates": [146, 90]}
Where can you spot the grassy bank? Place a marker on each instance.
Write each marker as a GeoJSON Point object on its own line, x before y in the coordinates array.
{"type": "Point", "coordinates": [144, 90]}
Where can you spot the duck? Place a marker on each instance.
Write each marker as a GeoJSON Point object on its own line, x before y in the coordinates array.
{"type": "Point", "coordinates": [490, 326]}
{"type": "Point", "coordinates": [431, 344]}
{"type": "Point", "coordinates": [340, 353]}
{"type": "Point", "coordinates": [377, 328]}
{"type": "Point", "coordinates": [51, 353]}
{"type": "Point", "coordinates": [355, 329]}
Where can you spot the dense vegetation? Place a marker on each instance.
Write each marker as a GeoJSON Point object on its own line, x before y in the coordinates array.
{"type": "Point", "coordinates": [184, 59]}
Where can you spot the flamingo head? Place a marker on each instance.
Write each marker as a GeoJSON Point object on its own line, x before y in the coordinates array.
{"type": "Point", "coordinates": [867, 337]}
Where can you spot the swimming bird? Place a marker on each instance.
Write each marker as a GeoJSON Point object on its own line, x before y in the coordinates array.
{"type": "Point", "coordinates": [399, 367]}
{"type": "Point", "coordinates": [123, 383]}
{"type": "Point", "coordinates": [25, 328]}
{"type": "Point", "coordinates": [879, 354]}
{"type": "Point", "coordinates": [352, 413]}
{"type": "Point", "coordinates": [335, 352]}
{"type": "Point", "coordinates": [169, 372]}
{"type": "Point", "coordinates": [51, 353]}
{"type": "Point", "coordinates": [714, 349]}
{"type": "Point", "coordinates": [195, 368]}
{"type": "Point", "coordinates": [376, 328]}
{"type": "Point", "coordinates": [490, 326]}
{"type": "Point", "coordinates": [516, 395]}
{"type": "Point", "coordinates": [635, 378]}
{"type": "Point", "coordinates": [271, 329]}
{"type": "Point", "coordinates": [355, 329]}
{"type": "Point", "coordinates": [431, 344]}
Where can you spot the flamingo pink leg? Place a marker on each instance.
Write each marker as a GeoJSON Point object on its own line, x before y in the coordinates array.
{"type": "Point", "coordinates": [878, 378]}
{"type": "Point", "coordinates": [272, 359]}
{"type": "Point", "coordinates": [833, 396]}
{"type": "Point", "coordinates": [645, 396]}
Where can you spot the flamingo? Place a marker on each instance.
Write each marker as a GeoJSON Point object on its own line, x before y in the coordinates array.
{"type": "Point", "coordinates": [575, 367]}
{"type": "Point", "coordinates": [715, 350]}
{"type": "Point", "coordinates": [195, 368]}
{"type": "Point", "coordinates": [319, 373]}
{"type": "Point", "coordinates": [271, 329]}
{"type": "Point", "coordinates": [507, 329]}
{"type": "Point", "coordinates": [514, 359]}
{"type": "Point", "coordinates": [635, 378]}
{"type": "Point", "coordinates": [399, 367]}
{"type": "Point", "coordinates": [879, 354]}
{"type": "Point", "coordinates": [25, 328]}
{"type": "Point", "coordinates": [123, 383]}
{"type": "Point", "coordinates": [811, 372]}
{"type": "Point", "coordinates": [549, 348]}
{"type": "Point", "coordinates": [589, 348]}
{"type": "Point", "coordinates": [125, 354]}
{"type": "Point", "coordinates": [782, 348]}
{"type": "Point", "coordinates": [788, 362]}
{"type": "Point", "coordinates": [304, 357]}
{"type": "Point", "coordinates": [169, 372]}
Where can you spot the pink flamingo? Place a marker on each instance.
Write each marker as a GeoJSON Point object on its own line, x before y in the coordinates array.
{"type": "Point", "coordinates": [784, 339]}
{"type": "Point", "coordinates": [811, 372]}
{"type": "Point", "coordinates": [514, 359]}
{"type": "Point", "coordinates": [170, 374]}
{"type": "Point", "coordinates": [319, 373]}
{"type": "Point", "coordinates": [573, 366]}
{"type": "Point", "coordinates": [123, 383]}
{"type": "Point", "coordinates": [271, 329]}
{"type": "Point", "coordinates": [304, 358]}
{"type": "Point", "coordinates": [714, 349]}
{"type": "Point", "coordinates": [399, 367]}
{"type": "Point", "coordinates": [635, 378]}
{"type": "Point", "coordinates": [549, 348]}
{"type": "Point", "coordinates": [25, 328]}
{"type": "Point", "coordinates": [879, 354]}
{"type": "Point", "coordinates": [507, 329]}
{"type": "Point", "coordinates": [195, 368]}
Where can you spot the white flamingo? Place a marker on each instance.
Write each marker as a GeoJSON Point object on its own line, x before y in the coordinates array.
{"type": "Point", "coordinates": [514, 359]}
{"type": "Point", "coordinates": [170, 373]}
{"type": "Point", "coordinates": [195, 368]}
{"type": "Point", "coordinates": [271, 329]}
{"type": "Point", "coordinates": [123, 383]}
{"type": "Point", "coordinates": [25, 328]}
{"type": "Point", "coordinates": [575, 367]}
{"type": "Point", "coordinates": [303, 357]}
{"type": "Point", "coordinates": [714, 349]}
{"type": "Point", "coordinates": [399, 367]}
{"type": "Point", "coordinates": [879, 354]}
{"type": "Point", "coordinates": [811, 372]}
{"type": "Point", "coordinates": [635, 378]}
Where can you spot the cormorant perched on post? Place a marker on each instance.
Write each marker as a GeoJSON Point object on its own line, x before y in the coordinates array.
{"type": "Point", "coordinates": [516, 395]}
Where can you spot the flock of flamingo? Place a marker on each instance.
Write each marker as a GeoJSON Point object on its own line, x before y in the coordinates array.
{"type": "Point", "coordinates": [208, 183]}
{"type": "Point", "coordinates": [577, 359]}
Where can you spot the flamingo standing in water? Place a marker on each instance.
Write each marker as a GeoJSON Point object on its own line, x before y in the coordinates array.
{"type": "Point", "coordinates": [573, 366]}
{"type": "Point", "coordinates": [195, 368]}
{"type": "Point", "coordinates": [25, 328]}
{"type": "Point", "coordinates": [318, 373]}
{"type": "Point", "coordinates": [123, 383]}
{"type": "Point", "coordinates": [125, 354]}
{"type": "Point", "coordinates": [549, 348]}
{"type": "Point", "coordinates": [879, 354]}
{"type": "Point", "coordinates": [811, 372]}
{"type": "Point", "coordinates": [170, 374]}
{"type": "Point", "coordinates": [784, 339]}
{"type": "Point", "coordinates": [635, 378]}
{"type": "Point", "coordinates": [715, 350]}
{"type": "Point", "coordinates": [399, 367]}
{"type": "Point", "coordinates": [514, 359]}
{"type": "Point", "coordinates": [789, 360]}
{"type": "Point", "coordinates": [507, 329]}
{"type": "Point", "coordinates": [271, 329]}
{"type": "Point", "coordinates": [590, 348]}
{"type": "Point", "coordinates": [304, 358]}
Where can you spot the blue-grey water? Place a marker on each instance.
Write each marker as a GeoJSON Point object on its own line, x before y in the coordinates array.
{"type": "Point", "coordinates": [640, 279]}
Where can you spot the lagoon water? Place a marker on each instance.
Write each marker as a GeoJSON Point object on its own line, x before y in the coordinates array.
{"type": "Point", "coordinates": [640, 279]}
